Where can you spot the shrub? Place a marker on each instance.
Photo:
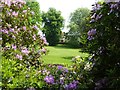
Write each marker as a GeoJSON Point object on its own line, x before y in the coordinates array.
{"type": "Point", "coordinates": [103, 44]}
{"type": "Point", "coordinates": [69, 78]}
{"type": "Point", "coordinates": [22, 46]}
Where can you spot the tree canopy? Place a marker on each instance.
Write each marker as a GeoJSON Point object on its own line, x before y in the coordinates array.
{"type": "Point", "coordinates": [52, 25]}
{"type": "Point", "coordinates": [35, 10]}
{"type": "Point", "coordinates": [78, 20]}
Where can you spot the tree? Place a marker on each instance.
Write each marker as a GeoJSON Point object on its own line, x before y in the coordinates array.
{"type": "Point", "coordinates": [35, 10]}
{"type": "Point", "coordinates": [52, 25]}
{"type": "Point", "coordinates": [77, 26]}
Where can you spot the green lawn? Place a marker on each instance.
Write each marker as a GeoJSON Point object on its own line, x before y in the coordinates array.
{"type": "Point", "coordinates": [61, 54]}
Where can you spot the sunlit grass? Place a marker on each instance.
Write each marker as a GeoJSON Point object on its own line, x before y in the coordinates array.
{"type": "Point", "coordinates": [61, 54]}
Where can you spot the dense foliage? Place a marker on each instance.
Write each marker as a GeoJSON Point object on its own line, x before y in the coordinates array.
{"type": "Point", "coordinates": [104, 45]}
{"type": "Point", "coordinates": [52, 25]}
{"type": "Point", "coordinates": [22, 46]}
{"type": "Point", "coordinates": [77, 26]}
{"type": "Point", "coordinates": [71, 78]}
{"type": "Point", "coordinates": [35, 9]}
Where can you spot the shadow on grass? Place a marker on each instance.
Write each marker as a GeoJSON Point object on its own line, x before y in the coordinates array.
{"type": "Point", "coordinates": [68, 58]}
{"type": "Point", "coordinates": [64, 46]}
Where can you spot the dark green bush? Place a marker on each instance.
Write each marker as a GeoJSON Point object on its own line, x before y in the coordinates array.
{"type": "Point", "coordinates": [104, 45]}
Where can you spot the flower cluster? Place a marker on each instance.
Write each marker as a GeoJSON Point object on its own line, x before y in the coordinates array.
{"type": "Point", "coordinates": [19, 35]}
{"type": "Point", "coordinates": [60, 76]}
{"type": "Point", "coordinates": [25, 51]}
{"type": "Point", "coordinates": [91, 33]}
{"type": "Point", "coordinates": [105, 29]}
{"type": "Point", "coordinates": [49, 79]}
{"type": "Point", "coordinates": [72, 85]}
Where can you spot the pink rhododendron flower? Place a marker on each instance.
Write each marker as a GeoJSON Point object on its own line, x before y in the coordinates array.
{"type": "Point", "coordinates": [8, 2]}
{"type": "Point", "coordinates": [43, 50]}
{"type": "Point", "coordinates": [15, 13]}
{"type": "Point", "coordinates": [19, 5]}
{"type": "Point", "coordinates": [34, 37]}
{"type": "Point", "coordinates": [24, 11]}
{"type": "Point", "coordinates": [25, 51]}
{"type": "Point", "coordinates": [8, 13]}
{"type": "Point", "coordinates": [24, 27]}
{"type": "Point", "coordinates": [4, 31]}
{"type": "Point", "coordinates": [18, 1]}
{"type": "Point", "coordinates": [19, 57]}
{"type": "Point", "coordinates": [14, 47]}
{"type": "Point", "coordinates": [44, 41]}
{"type": "Point", "coordinates": [11, 29]}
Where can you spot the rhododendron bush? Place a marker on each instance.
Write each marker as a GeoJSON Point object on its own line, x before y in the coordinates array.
{"type": "Point", "coordinates": [104, 45]}
{"type": "Point", "coordinates": [22, 45]}
{"type": "Point", "coordinates": [20, 38]}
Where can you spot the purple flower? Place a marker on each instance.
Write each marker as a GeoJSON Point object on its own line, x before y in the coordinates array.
{"type": "Point", "coordinates": [8, 13]}
{"type": "Point", "coordinates": [14, 47]}
{"type": "Point", "coordinates": [11, 29]}
{"type": "Point", "coordinates": [49, 79]}
{"type": "Point", "coordinates": [44, 40]}
{"type": "Point", "coordinates": [43, 50]}
{"type": "Point", "coordinates": [24, 11]}
{"type": "Point", "coordinates": [24, 27]}
{"type": "Point", "coordinates": [66, 70]}
{"type": "Point", "coordinates": [21, 1]}
{"type": "Point", "coordinates": [98, 17]}
{"type": "Point", "coordinates": [61, 80]}
{"type": "Point", "coordinates": [73, 85]}
{"type": "Point", "coordinates": [19, 5]}
{"type": "Point", "coordinates": [110, 11]}
{"type": "Point", "coordinates": [35, 27]}
{"type": "Point", "coordinates": [25, 51]}
{"type": "Point", "coordinates": [112, 6]}
{"type": "Point", "coordinates": [4, 31]}
{"type": "Point", "coordinates": [34, 37]}
{"type": "Point", "coordinates": [8, 2]}
{"type": "Point", "coordinates": [93, 16]}
{"type": "Point", "coordinates": [92, 21]}
{"type": "Point", "coordinates": [90, 38]}
{"type": "Point", "coordinates": [15, 13]}
{"type": "Point", "coordinates": [14, 1]}
{"type": "Point", "coordinates": [60, 67]}
{"type": "Point", "coordinates": [32, 12]}
{"type": "Point", "coordinates": [96, 7]}
{"type": "Point", "coordinates": [91, 32]}
{"type": "Point", "coordinates": [19, 56]}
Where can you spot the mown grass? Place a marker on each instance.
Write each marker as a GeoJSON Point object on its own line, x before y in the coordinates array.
{"type": "Point", "coordinates": [61, 54]}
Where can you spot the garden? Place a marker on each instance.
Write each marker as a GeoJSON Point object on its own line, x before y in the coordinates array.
{"type": "Point", "coordinates": [37, 55]}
